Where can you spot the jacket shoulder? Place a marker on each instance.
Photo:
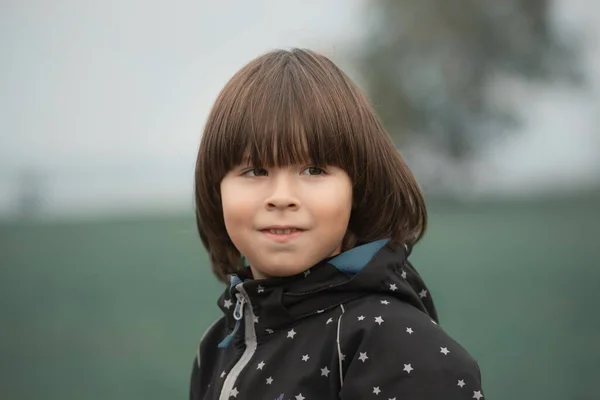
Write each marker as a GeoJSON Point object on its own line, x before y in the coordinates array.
{"type": "Point", "coordinates": [206, 351]}
{"type": "Point", "coordinates": [389, 320]}
{"type": "Point", "coordinates": [385, 340]}
{"type": "Point", "coordinates": [211, 337]}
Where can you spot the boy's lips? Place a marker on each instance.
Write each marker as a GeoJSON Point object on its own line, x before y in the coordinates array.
{"type": "Point", "coordinates": [282, 227]}
{"type": "Point", "coordinates": [281, 233]}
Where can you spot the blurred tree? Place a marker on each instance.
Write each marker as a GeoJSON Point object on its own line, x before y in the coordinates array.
{"type": "Point", "coordinates": [30, 197]}
{"type": "Point", "coordinates": [427, 64]}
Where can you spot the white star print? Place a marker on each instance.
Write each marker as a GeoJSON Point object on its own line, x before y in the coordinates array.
{"type": "Point", "coordinates": [363, 357]}
{"type": "Point", "coordinates": [305, 357]}
{"type": "Point", "coordinates": [385, 302]}
{"type": "Point", "coordinates": [260, 365]}
{"type": "Point", "coordinates": [423, 293]}
{"type": "Point", "coordinates": [444, 350]}
{"type": "Point", "coordinates": [227, 304]}
{"type": "Point", "coordinates": [306, 273]}
{"type": "Point", "coordinates": [376, 390]}
{"type": "Point", "coordinates": [461, 383]}
{"type": "Point", "coordinates": [255, 319]}
{"type": "Point", "coordinates": [403, 274]}
{"type": "Point", "coordinates": [269, 331]}
{"type": "Point", "coordinates": [291, 334]}
{"type": "Point", "coordinates": [343, 357]}
{"type": "Point", "coordinates": [260, 289]}
{"type": "Point", "coordinates": [325, 371]}
{"type": "Point", "coordinates": [409, 331]}
{"type": "Point", "coordinates": [223, 374]}
{"type": "Point", "coordinates": [234, 392]}
{"type": "Point", "coordinates": [393, 287]}
{"type": "Point", "coordinates": [477, 395]}
{"type": "Point", "coordinates": [299, 397]}
{"type": "Point", "coordinates": [330, 320]}
{"type": "Point", "coordinates": [269, 380]}
{"type": "Point", "coordinates": [361, 317]}
{"type": "Point", "coordinates": [379, 320]}
{"type": "Point", "coordinates": [408, 368]}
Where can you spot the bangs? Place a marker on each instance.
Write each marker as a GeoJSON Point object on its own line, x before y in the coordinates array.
{"type": "Point", "coordinates": [278, 134]}
{"type": "Point", "coordinates": [287, 113]}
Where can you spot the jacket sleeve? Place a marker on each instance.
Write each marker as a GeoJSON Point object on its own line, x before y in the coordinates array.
{"type": "Point", "coordinates": [202, 368]}
{"type": "Point", "coordinates": [408, 357]}
{"type": "Point", "coordinates": [195, 381]}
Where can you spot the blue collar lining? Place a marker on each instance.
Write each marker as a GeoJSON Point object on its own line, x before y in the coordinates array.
{"type": "Point", "coordinates": [355, 259]}
{"type": "Point", "coordinates": [349, 262]}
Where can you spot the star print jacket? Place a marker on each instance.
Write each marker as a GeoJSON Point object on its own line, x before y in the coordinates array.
{"type": "Point", "coordinates": [361, 325]}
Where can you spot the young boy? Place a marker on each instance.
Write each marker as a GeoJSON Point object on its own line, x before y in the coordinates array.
{"type": "Point", "coordinates": [309, 213]}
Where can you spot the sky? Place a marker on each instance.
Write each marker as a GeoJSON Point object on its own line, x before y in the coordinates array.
{"type": "Point", "coordinates": [107, 100]}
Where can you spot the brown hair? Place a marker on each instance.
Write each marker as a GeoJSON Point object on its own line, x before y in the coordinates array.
{"type": "Point", "coordinates": [288, 107]}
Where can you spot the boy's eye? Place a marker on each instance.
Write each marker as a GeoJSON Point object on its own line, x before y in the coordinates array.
{"type": "Point", "coordinates": [256, 172]}
{"type": "Point", "coordinates": [313, 171]}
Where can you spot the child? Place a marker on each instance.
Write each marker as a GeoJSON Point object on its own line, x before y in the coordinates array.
{"type": "Point", "coordinates": [309, 213]}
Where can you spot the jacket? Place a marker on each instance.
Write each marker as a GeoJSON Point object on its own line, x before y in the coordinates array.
{"type": "Point", "coordinates": [361, 325]}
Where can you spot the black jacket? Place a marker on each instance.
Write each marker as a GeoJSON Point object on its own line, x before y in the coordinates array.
{"type": "Point", "coordinates": [361, 325]}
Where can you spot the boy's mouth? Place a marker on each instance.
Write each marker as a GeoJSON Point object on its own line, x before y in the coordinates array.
{"type": "Point", "coordinates": [281, 231]}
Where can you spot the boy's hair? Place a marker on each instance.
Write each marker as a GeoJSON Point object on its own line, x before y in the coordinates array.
{"type": "Point", "coordinates": [297, 106]}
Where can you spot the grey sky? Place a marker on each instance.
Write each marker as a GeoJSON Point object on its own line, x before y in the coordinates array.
{"type": "Point", "coordinates": [115, 81]}
{"type": "Point", "coordinates": [116, 92]}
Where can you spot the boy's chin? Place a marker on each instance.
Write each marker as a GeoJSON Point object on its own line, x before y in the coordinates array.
{"type": "Point", "coordinates": [279, 271]}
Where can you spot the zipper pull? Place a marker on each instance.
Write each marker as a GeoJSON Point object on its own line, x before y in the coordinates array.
{"type": "Point", "coordinates": [238, 311]}
{"type": "Point", "coordinates": [238, 314]}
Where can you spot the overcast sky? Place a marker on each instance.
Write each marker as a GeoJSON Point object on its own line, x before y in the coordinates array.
{"type": "Point", "coordinates": [114, 93]}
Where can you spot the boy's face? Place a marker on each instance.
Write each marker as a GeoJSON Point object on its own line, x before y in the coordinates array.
{"type": "Point", "coordinates": [285, 220]}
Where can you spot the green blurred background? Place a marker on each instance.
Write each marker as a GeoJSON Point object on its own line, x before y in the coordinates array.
{"type": "Point", "coordinates": [115, 308]}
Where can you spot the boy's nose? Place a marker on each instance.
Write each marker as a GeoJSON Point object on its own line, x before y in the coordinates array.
{"type": "Point", "coordinates": [281, 203]}
{"type": "Point", "coordinates": [283, 196]}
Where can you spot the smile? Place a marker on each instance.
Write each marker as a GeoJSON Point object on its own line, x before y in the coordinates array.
{"type": "Point", "coordinates": [282, 231]}
{"type": "Point", "coordinates": [282, 234]}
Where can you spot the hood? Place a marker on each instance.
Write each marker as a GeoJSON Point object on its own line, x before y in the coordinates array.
{"type": "Point", "coordinates": [371, 268]}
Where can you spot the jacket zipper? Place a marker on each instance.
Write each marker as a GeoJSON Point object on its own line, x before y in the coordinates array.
{"type": "Point", "coordinates": [249, 338]}
{"type": "Point", "coordinates": [238, 313]}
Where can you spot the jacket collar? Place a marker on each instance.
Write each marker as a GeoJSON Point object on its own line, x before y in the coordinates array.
{"type": "Point", "coordinates": [374, 267]}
